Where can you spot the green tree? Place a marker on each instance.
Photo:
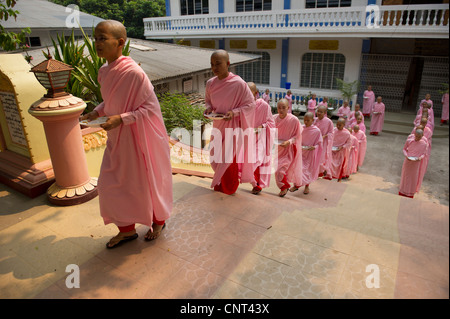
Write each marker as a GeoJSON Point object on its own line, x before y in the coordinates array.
{"type": "Point", "coordinates": [130, 13]}
{"type": "Point", "coordinates": [10, 41]}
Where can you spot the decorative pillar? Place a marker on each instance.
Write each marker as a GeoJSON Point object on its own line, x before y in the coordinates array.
{"type": "Point", "coordinates": [59, 112]}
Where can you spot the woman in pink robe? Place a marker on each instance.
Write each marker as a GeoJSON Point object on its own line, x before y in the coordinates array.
{"type": "Point", "coordinates": [311, 152]}
{"type": "Point", "coordinates": [288, 97]}
{"type": "Point", "coordinates": [362, 144]}
{"type": "Point", "coordinates": [444, 114]}
{"type": "Point", "coordinates": [377, 121]}
{"type": "Point", "coordinates": [354, 114]}
{"type": "Point", "coordinates": [266, 96]}
{"type": "Point", "coordinates": [344, 112]}
{"type": "Point", "coordinates": [428, 100]}
{"type": "Point", "coordinates": [368, 101]}
{"type": "Point", "coordinates": [312, 105]}
{"type": "Point", "coordinates": [360, 123]}
{"type": "Point", "coordinates": [427, 134]}
{"type": "Point", "coordinates": [265, 126]}
{"type": "Point", "coordinates": [340, 150]}
{"type": "Point", "coordinates": [425, 110]}
{"type": "Point", "coordinates": [352, 163]}
{"type": "Point", "coordinates": [229, 95]}
{"type": "Point", "coordinates": [135, 182]}
{"type": "Point", "coordinates": [289, 156]}
{"type": "Point", "coordinates": [326, 128]}
{"type": "Point", "coordinates": [414, 151]}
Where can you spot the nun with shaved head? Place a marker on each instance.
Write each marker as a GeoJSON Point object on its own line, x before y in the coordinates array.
{"type": "Point", "coordinates": [230, 100]}
{"type": "Point", "coordinates": [135, 181]}
{"type": "Point", "coordinates": [415, 150]}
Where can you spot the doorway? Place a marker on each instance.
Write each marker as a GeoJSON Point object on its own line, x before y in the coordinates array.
{"type": "Point", "coordinates": [412, 86]}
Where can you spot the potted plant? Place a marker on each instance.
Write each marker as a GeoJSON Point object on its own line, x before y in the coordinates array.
{"type": "Point", "coordinates": [348, 89]}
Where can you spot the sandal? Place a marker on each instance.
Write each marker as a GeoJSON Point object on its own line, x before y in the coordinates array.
{"type": "Point", "coordinates": [120, 242]}
{"type": "Point", "coordinates": [283, 192]}
{"type": "Point", "coordinates": [256, 190]}
{"type": "Point", "coordinates": [149, 233]}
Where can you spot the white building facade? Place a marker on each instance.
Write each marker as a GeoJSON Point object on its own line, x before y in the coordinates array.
{"type": "Point", "coordinates": [398, 47]}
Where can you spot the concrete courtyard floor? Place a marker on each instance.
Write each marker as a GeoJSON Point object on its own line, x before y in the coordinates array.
{"type": "Point", "coordinates": [329, 244]}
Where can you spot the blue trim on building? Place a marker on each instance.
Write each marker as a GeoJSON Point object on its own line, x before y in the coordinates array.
{"type": "Point", "coordinates": [366, 46]}
{"type": "Point", "coordinates": [168, 13]}
{"type": "Point", "coordinates": [284, 62]}
{"type": "Point", "coordinates": [221, 6]}
{"type": "Point", "coordinates": [369, 2]}
{"type": "Point", "coordinates": [287, 4]}
{"type": "Point", "coordinates": [222, 44]}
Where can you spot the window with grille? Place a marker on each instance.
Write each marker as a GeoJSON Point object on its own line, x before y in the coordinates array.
{"type": "Point", "coordinates": [327, 3]}
{"type": "Point", "coordinates": [257, 71]}
{"type": "Point", "coordinates": [161, 88]}
{"type": "Point", "coordinates": [253, 5]}
{"type": "Point", "coordinates": [188, 7]}
{"type": "Point", "coordinates": [320, 70]}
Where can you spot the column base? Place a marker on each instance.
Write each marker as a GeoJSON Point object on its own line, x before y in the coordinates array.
{"type": "Point", "coordinates": [19, 173]}
{"type": "Point", "coordinates": [68, 196]}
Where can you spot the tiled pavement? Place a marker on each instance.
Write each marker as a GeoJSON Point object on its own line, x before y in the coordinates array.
{"type": "Point", "coordinates": [328, 244]}
{"type": "Point", "coordinates": [320, 245]}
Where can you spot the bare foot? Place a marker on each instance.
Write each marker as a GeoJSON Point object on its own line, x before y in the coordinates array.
{"type": "Point", "coordinates": [293, 189]}
{"type": "Point", "coordinates": [306, 191]}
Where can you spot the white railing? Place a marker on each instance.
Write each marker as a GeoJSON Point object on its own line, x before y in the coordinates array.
{"type": "Point", "coordinates": [401, 19]}
{"type": "Point", "coordinates": [300, 96]}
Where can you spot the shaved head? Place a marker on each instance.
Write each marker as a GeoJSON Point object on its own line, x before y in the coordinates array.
{"type": "Point", "coordinates": [322, 108]}
{"type": "Point", "coordinates": [341, 121]}
{"type": "Point", "coordinates": [221, 54]}
{"type": "Point", "coordinates": [252, 87]}
{"type": "Point", "coordinates": [309, 115]}
{"type": "Point", "coordinates": [114, 27]}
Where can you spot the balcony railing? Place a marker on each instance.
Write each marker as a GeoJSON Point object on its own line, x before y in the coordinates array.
{"type": "Point", "coordinates": [430, 20]}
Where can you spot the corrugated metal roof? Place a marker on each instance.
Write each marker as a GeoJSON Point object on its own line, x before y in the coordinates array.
{"type": "Point", "coordinates": [46, 15]}
{"type": "Point", "coordinates": [172, 60]}
{"type": "Point", "coordinates": [166, 61]}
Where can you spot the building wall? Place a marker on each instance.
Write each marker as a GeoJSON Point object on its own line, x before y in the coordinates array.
{"type": "Point", "coordinates": [277, 5]}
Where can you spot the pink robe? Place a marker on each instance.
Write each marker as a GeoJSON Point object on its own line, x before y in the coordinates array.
{"type": "Point", "coordinates": [289, 98]}
{"type": "Point", "coordinates": [326, 127]}
{"type": "Point", "coordinates": [231, 93]}
{"type": "Point", "coordinates": [427, 134]}
{"type": "Point", "coordinates": [377, 121]}
{"type": "Point", "coordinates": [135, 179]}
{"type": "Point", "coordinates": [341, 138]}
{"type": "Point", "coordinates": [266, 97]}
{"type": "Point", "coordinates": [362, 146]}
{"type": "Point", "coordinates": [352, 163]}
{"type": "Point", "coordinates": [430, 122]}
{"type": "Point", "coordinates": [344, 112]}
{"type": "Point", "coordinates": [289, 159]}
{"type": "Point", "coordinates": [264, 143]}
{"type": "Point", "coordinates": [362, 126]}
{"type": "Point", "coordinates": [412, 176]}
{"type": "Point", "coordinates": [311, 136]}
{"type": "Point", "coordinates": [352, 118]}
{"type": "Point", "coordinates": [312, 106]}
{"type": "Point", "coordinates": [368, 101]}
{"type": "Point", "coordinates": [444, 115]}
{"type": "Point", "coordinates": [428, 101]}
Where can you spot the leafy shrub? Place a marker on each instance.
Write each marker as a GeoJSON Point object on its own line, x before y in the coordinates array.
{"type": "Point", "coordinates": [178, 112]}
